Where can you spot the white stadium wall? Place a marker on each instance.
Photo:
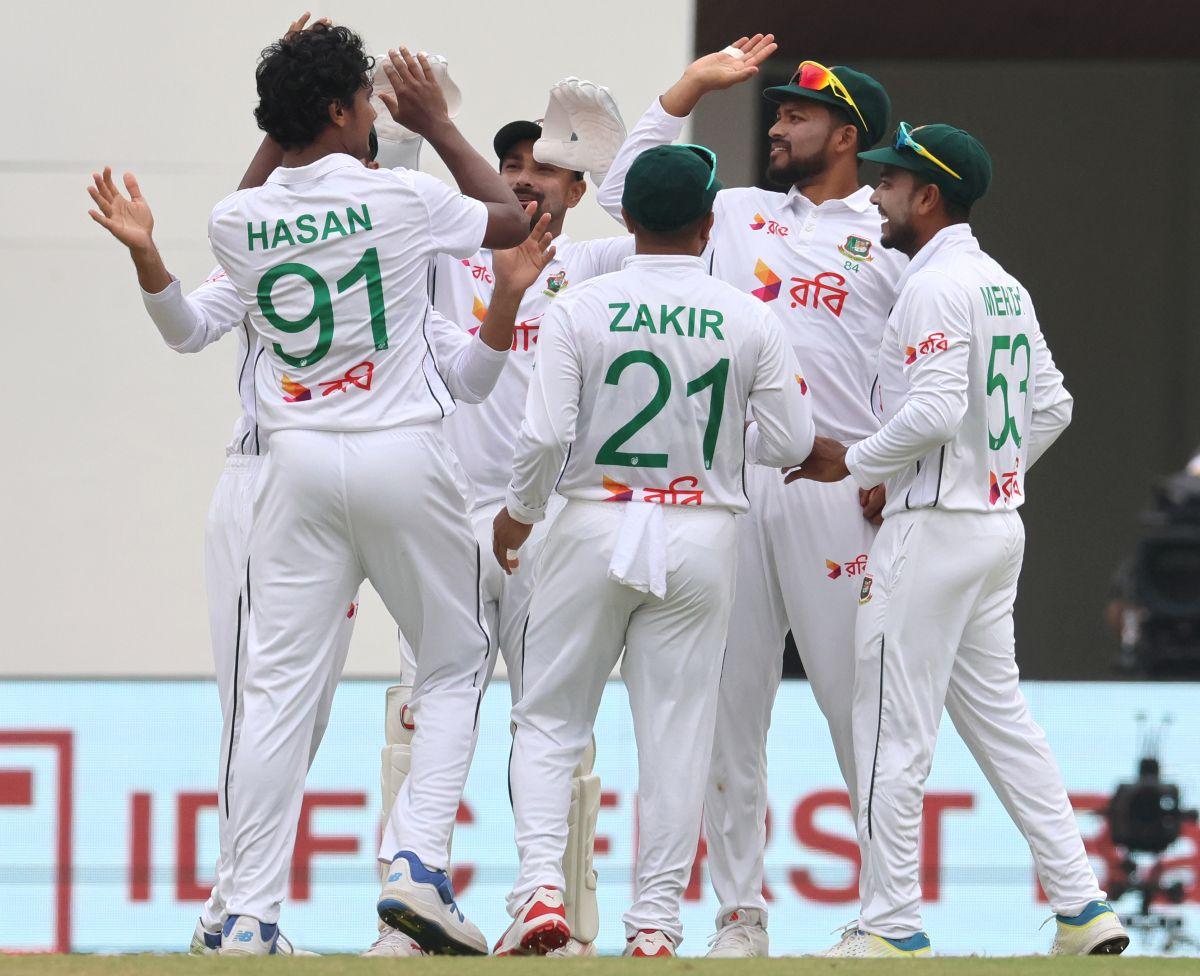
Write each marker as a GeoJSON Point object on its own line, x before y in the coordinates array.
{"type": "Point", "coordinates": [114, 443]}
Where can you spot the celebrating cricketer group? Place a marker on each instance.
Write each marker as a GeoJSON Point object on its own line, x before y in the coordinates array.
{"type": "Point", "coordinates": [752, 411]}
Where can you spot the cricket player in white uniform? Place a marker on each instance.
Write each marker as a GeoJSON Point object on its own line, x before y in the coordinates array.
{"type": "Point", "coordinates": [970, 399]}
{"type": "Point", "coordinates": [639, 397]}
{"type": "Point", "coordinates": [329, 260]}
{"type": "Point", "coordinates": [811, 255]}
{"type": "Point", "coordinates": [582, 132]}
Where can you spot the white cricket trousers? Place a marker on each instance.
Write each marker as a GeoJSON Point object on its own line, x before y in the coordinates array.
{"type": "Point", "coordinates": [505, 598]}
{"type": "Point", "coordinates": [937, 630]}
{"type": "Point", "coordinates": [799, 567]}
{"type": "Point", "coordinates": [579, 621]}
{"type": "Point", "coordinates": [335, 509]}
{"type": "Point", "coordinates": [226, 543]}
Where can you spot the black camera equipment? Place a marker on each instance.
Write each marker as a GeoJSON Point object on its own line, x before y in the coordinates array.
{"type": "Point", "coordinates": [1145, 818]}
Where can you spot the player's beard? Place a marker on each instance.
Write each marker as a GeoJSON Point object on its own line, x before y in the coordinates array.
{"type": "Point", "coordinates": [796, 170]}
{"type": "Point", "coordinates": [897, 236]}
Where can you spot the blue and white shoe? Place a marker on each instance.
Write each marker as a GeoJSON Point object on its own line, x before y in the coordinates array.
{"type": "Point", "coordinates": [205, 941]}
{"type": "Point", "coordinates": [1096, 931]}
{"type": "Point", "coordinates": [420, 903]}
{"type": "Point", "coordinates": [245, 935]}
{"type": "Point", "coordinates": [857, 944]}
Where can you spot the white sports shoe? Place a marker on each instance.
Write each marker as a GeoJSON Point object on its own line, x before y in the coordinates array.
{"type": "Point", "coordinates": [539, 927]}
{"type": "Point", "coordinates": [649, 943]}
{"type": "Point", "coordinates": [1096, 931]}
{"type": "Point", "coordinates": [575, 948]}
{"type": "Point", "coordinates": [420, 902]}
{"type": "Point", "coordinates": [741, 936]}
{"type": "Point", "coordinates": [205, 941]}
{"type": "Point", "coordinates": [857, 944]}
{"type": "Point", "coordinates": [244, 935]}
{"type": "Point", "coordinates": [393, 943]}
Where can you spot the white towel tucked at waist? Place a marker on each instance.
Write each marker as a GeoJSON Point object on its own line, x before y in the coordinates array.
{"type": "Point", "coordinates": [639, 557]}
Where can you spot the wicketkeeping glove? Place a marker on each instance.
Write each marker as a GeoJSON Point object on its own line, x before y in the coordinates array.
{"type": "Point", "coordinates": [582, 130]}
{"type": "Point", "coordinates": [400, 147]}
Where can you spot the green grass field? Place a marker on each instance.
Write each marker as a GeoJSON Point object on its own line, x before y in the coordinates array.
{"type": "Point", "coordinates": [337, 965]}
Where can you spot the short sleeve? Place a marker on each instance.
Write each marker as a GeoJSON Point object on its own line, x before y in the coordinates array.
{"type": "Point", "coordinates": [456, 222]}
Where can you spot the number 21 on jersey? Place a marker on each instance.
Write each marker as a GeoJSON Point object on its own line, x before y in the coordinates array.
{"type": "Point", "coordinates": [610, 452]}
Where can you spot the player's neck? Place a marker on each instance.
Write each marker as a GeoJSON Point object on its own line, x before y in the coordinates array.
{"type": "Point", "coordinates": [835, 183]}
{"type": "Point", "coordinates": [325, 144]}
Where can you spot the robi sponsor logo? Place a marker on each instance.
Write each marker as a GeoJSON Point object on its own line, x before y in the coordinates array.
{"type": "Point", "coordinates": [825, 290]}
{"type": "Point", "coordinates": [934, 342]}
{"type": "Point", "coordinates": [772, 227]}
{"type": "Point", "coordinates": [854, 567]}
{"type": "Point", "coordinates": [771, 282]}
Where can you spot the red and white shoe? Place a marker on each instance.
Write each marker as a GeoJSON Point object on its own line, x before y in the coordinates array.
{"type": "Point", "coordinates": [539, 927]}
{"type": "Point", "coordinates": [649, 943]}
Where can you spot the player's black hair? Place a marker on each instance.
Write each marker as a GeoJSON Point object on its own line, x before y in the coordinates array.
{"type": "Point", "coordinates": [300, 76]}
{"type": "Point", "coordinates": [670, 238]}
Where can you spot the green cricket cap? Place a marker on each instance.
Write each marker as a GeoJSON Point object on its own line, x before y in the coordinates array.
{"type": "Point", "coordinates": [668, 187]}
{"type": "Point", "coordinates": [959, 150]}
{"type": "Point", "coordinates": [868, 94]}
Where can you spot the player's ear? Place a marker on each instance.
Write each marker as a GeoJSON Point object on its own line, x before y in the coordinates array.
{"type": "Point", "coordinates": [706, 227]}
{"type": "Point", "coordinates": [575, 192]}
{"type": "Point", "coordinates": [627, 220]}
{"type": "Point", "coordinates": [928, 199]}
{"type": "Point", "coordinates": [337, 113]}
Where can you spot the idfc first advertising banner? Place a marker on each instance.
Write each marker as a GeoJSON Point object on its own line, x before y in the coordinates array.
{"type": "Point", "coordinates": [108, 822]}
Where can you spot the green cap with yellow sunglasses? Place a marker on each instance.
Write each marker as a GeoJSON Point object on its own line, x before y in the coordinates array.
{"type": "Point", "coordinates": [859, 95]}
{"type": "Point", "coordinates": [954, 160]}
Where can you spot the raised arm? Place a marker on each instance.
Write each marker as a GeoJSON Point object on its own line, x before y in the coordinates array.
{"type": "Point", "coordinates": [664, 120]}
{"type": "Point", "coordinates": [417, 102]}
{"type": "Point", "coordinates": [471, 365]}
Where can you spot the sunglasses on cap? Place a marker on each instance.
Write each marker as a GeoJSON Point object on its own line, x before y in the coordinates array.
{"type": "Point", "coordinates": [904, 140]}
{"type": "Point", "coordinates": [816, 77]}
{"type": "Point", "coordinates": [709, 157]}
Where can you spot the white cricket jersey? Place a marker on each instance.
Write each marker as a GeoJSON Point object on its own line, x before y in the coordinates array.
{"type": "Point", "coordinates": [331, 261]}
{"type": "Point", "coordinates": [968, 391]}
{"type": "Point", "coordinates": [468, 366]}
{"type": "Point", "coordinates": [819, 268]}
{"type": "Point", "coordinates": [641, 389]}
{"type": "Point", "coordinates": [484, 435]}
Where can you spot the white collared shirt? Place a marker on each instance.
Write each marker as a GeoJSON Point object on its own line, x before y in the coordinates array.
{"type": "Point", "coordinates": [819, 268]}
{"type": "Point", "coordinates": [330, 261]}
{"type": "Point", "coordinates": [643, 381]}
{"type": "Point", "coordinates": [484, 434]}
{"type": "Point", "coordinates": [968, 391]}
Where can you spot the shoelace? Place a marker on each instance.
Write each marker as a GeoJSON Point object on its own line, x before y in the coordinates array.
{"type": "Point", "coordinates": [847, 930]}
{"type": "Point", "coordinates": [730, 935]}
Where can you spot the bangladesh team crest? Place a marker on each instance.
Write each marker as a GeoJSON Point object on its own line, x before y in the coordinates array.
{"type": "Point", "coordinates": [555, 283]}
{"type": "Point", "coordinates": [856, 248]}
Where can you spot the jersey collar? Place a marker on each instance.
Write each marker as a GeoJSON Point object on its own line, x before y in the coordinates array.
{"type": "Point", "coordinates": [859, 201]}
{"type": "Point", "coordinates": [956, 237]}
{"type": "Point", "coordinates": [665, 262]}
{"type": "Point", "coordinates": [290, 175]}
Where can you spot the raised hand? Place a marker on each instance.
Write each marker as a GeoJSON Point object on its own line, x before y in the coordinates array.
{"type": "Point", "coordinates": [129, 220]}
{"type": "Point", "coordinates": [301, 22]}
{"type": "Point", "coordinates": [416, 100]}
{"type": "Point", "coordinates": [517, 268]}
{"type": "Point", "coordinates": [723, 69]}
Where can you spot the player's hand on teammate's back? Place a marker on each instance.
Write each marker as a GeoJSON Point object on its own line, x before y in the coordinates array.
{"type": "Point", "coordinates": [872, 501]}
{"type": "Point", "coordinates": [128, 219]}
{"type": "Point", "coordinates": [719, 70]}
{"type": "Point", "coordinates": [416, 100]}
{"type": "Point", "coordinates": [827, 462]}
{"type": "Point", "coordinates": [508, 535]}
{"type": "Point", "coordinates": [516, 268]}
